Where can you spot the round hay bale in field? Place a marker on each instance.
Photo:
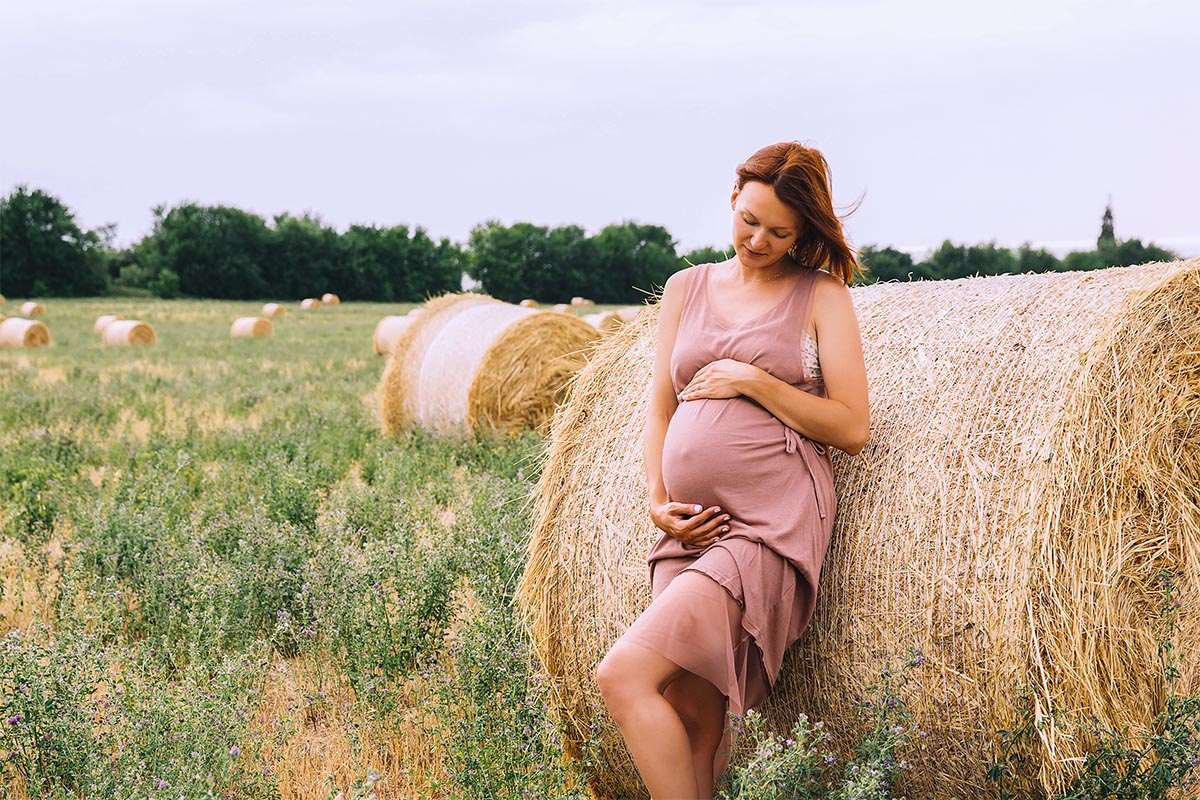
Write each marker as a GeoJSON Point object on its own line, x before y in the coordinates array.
{"type": "Point", "coordinates": [388, 329]}
{"type": "Point", "coordinates": [1033, 467]}
{"type": "Point", "coordinates": [128, 333]}
{"type": "Point", "coordinates": [471, 360]}
{"type": "Point", "coordinates": [32, 308]}
{"type": "Point", "coordinates": [104, 320]}
{"type": "Point", "coordinates": [330, 299]}
{"type": "Point", "coordinates": [629, 313]}
{"type": "Point", "coordinates": [251, 327]}
{"type": "Point", "coordinates": [528, 303]}
{"type": "Point", "coordinates": [17, 332]}
{"type": "Point", "coordinates": [563, 308]}
{"type": "Point", "coordinates": [577, 302]}
{"type": "Point", "coordinates": [273, 310]}
{"type": "Point", "coordinates": [603, 321]}
{"type": "Point", "coordinates": [310, 303]}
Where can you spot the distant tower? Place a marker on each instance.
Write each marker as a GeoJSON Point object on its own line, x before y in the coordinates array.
{"type": "Point", "coordinates": [1107, 238]}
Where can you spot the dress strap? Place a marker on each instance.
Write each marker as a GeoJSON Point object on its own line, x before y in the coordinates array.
{"type": "Point", "coordinates": [802, 297]}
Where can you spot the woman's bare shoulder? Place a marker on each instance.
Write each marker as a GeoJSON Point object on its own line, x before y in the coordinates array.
{"type": "Point", "coordinates": [678, 282]}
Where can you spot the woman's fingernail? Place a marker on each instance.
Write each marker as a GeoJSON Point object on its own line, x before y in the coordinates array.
{"type": "Point", "coordinates": [698, 508]}
{"type": "Point", "coordinates": [727, 518]}
{"type": "Point", "coordinates": [725, 529]}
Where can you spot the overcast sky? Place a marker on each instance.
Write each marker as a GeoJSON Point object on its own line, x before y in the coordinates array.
{"type": "Point", "coordinates": [950, 119]}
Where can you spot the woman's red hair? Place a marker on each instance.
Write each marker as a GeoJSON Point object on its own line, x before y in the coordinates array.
{"type": "Point", "coordinates": [801, 179]}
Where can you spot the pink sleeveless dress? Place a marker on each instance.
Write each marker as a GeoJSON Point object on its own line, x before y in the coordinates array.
{"type": "Point", "coordinates": [777, 486]}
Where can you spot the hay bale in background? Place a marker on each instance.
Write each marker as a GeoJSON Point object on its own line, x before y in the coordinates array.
{"type": "Point", "coordinates": [629, 313]}
{"type": "Point", "coordinates": [273, 310]}
{"type": "Point", "coordinates": [579, 302]}
{"type": "Point", "coordinates": [330, 299]}
{"type": "Point", "coordinates": [563, 308]}
{"type": "Point", "coordinates": [1033, 466]}
{"type": "Point", "coordinates": [472, 360]}
{"type": "Point", "coordinates": [104, 320]}
{"type": "Point", "coordinates": [3, 299]}
{"type": "Point", "coordinates": [32, 308]}
{"type": "Point", "coordinates": [251, 327]}
{"type": "Point", "coordinates": [388, 329]}
{"type": "Point", "coordinates": [603, 321]}
{"type": "Point", "coordinates": [128, 333]}
{"type": "Point", "coordinates": [310, 303]}
{"type": "Point", "coordinates": [528, 303]}
{"type": "Point", "coordinates": [17, 332]}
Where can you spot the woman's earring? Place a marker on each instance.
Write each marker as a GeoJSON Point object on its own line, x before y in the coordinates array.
{"type": "Point", "coordinates": [792, 251]}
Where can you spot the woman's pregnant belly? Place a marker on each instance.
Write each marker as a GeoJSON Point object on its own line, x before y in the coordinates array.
{"type": "Point", "coordinates": [716, 451]}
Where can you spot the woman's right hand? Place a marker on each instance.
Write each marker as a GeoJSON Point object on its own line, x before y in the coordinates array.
{"type": "Point", "coordinates": [689, 523]}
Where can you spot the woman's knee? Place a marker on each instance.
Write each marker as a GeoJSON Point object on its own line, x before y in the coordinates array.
{"type": "Point", "coordinates": [612, 674]}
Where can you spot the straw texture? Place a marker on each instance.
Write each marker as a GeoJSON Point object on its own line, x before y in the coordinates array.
{"type": "Point", "coordinates": [472, 360]}
{"type": "Point", "coordinates": [629, 313]}
{"type": "Point", "coordinates": [330, 299]}
{"type": "Point", "coordinates": [251, 327]}
{"type": "Point", "coordinates": [32, 308]}
{"type": "Point", "coordinates": [273, 310]}
{"type": "Point", "coordinates": [104, 320]}
{"type": "Point", "coordinates": [128, 333]}
{"type": "Point", "coordinates": [310, 303]}
{"type": "Point", "coordinates": [1034, 463]}
{"type": "Point", "coordinates": [17, 332]}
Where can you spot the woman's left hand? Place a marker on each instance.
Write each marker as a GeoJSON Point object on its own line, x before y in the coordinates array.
{"type": "Point", "coordinates": [719, 379]}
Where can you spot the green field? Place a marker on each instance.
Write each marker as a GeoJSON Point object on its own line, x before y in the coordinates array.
{"type": "Point", "coordinates": [220, 578]}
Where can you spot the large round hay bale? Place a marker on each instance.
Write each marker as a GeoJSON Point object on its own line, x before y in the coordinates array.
{"type": "Point", "coordinates": [251, 327]}
{"type": "Point", "coordinates": [603, 321]}
{"type": "Point", "coordinates": [32, 308]}
{"type": "Point", "coordinates": [330, 299]}
{"type": "Point", "coordinates": [17, 332]}
{"type": "Point", "coordinates": [471, 360]}
{"type": "Point", "coordinates": [273, 310]}
{"type": "Point", "coordinates": [629, 313]}
{"type": "Point", "coordinates": [388, 329]}
{"type": "Point", "coordinates": [1033, 465]}
{"type": "Point", "coordinates": [104, 320]}
{"type": "Point", "coordinates": [128, 333]}
{"type": "Point", "coordinates": [309, 303]}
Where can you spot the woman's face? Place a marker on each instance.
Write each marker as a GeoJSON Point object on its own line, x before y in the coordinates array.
{"type": "Point", "coordinates": [763, 227]}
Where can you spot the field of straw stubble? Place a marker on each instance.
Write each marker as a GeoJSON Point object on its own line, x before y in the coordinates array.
{"type": "Point", "coordinates": [220, 579]}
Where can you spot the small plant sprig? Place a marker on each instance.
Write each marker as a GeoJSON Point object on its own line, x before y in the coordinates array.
{"type": "Point", "coordinates": [1126, 765]}
{"type": "Point", "coordinates": [800, 765]}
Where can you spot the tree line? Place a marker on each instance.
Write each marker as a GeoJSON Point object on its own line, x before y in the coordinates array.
{"type": "Point", "coordinates": [224, 252]}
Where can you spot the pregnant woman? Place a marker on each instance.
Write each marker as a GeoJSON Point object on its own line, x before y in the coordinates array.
{"type": "Point", "coordinates": [758, 372]}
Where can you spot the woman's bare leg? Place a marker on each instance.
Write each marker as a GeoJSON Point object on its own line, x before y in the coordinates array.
{"type": "Point", "coordinates": [632, 679]}
{"type": "Point", "coordinates": [701, 707]}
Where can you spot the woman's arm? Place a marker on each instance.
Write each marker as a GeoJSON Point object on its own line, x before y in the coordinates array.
{"type": "Point", "coordinates": [842, 418]}
{"type": "Point", "coordinates": [687, 522]}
